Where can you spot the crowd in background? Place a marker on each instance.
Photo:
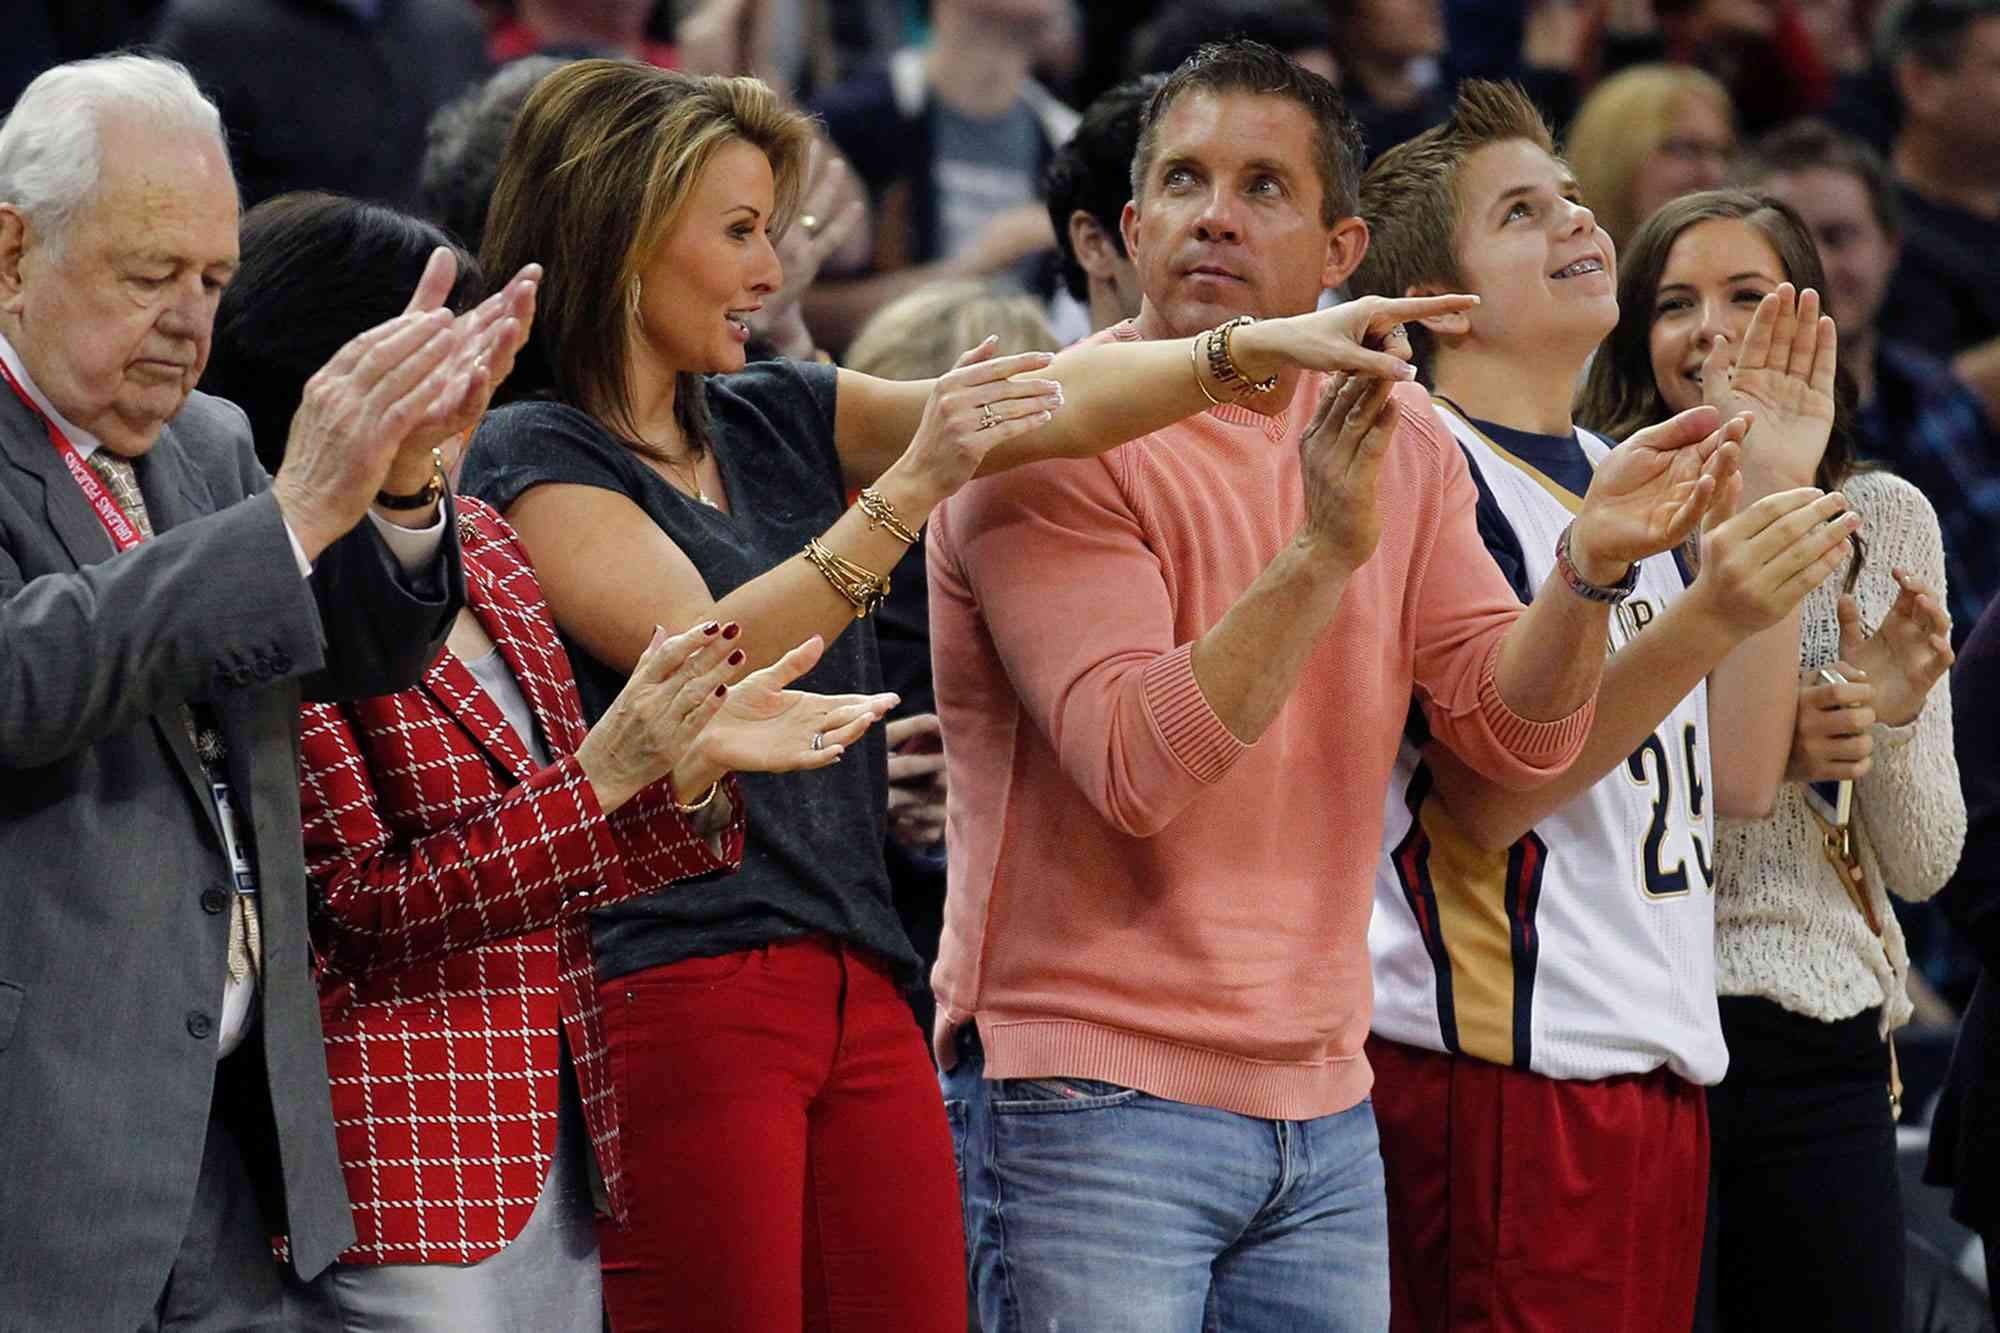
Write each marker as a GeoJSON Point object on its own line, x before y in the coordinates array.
{"type": "Point", "coordinates": [965, 174]}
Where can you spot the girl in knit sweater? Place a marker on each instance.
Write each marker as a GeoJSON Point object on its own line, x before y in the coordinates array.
{"type": "Point", "coordinates": [1804, 1204]}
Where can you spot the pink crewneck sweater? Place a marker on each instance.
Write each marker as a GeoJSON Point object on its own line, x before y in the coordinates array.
{"type": "Point", "coordinates": [1134, 895]}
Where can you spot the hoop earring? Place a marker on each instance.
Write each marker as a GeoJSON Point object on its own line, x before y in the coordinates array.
{"type": "Point", "coordinates": [632, 294]}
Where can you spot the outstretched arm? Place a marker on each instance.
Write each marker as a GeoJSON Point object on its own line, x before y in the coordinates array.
{"type": "Point", "coordinates": [1758, 565]}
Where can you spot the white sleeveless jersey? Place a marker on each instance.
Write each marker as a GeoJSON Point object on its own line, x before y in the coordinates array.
{"type": "Point", "coordinates": [1587, 949]}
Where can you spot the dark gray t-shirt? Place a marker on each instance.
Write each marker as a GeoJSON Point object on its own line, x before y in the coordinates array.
{"type": "Point", "coordinates": [812, 853]}
{"type": "Point", "coordinates": [982, 169]}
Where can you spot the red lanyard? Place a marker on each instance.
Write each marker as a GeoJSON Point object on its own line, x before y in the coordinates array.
{"type": "Point", "coordinates": [124, 535]}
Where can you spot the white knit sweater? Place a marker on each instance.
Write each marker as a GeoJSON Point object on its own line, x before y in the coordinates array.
{"type": "Point", "coordinates": [1785, 929]}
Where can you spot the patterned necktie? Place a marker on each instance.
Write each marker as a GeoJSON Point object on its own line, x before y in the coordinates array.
{"type": "Point", "coordinates": [246, 945]}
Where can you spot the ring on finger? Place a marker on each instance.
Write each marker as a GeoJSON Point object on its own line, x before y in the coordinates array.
{"type": "Point", "coordinates": [987, 417]}
{"type": "Point", "coordinates": [819, 740]}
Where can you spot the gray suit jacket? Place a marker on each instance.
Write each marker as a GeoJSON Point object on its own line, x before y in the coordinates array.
{"type": "Point", "coordinates": [112, 945]}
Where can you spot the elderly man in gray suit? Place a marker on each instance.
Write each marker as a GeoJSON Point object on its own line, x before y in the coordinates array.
{"type": "Point", "coordinates": [163, 605]}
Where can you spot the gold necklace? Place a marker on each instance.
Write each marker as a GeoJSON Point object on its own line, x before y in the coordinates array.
{"type": "Point", "coordinates": [689, 480]}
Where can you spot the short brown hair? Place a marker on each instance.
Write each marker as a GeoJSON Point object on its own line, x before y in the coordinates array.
{"type": "Point", "coordinates": [1411, 202]}
{"type": "Point", "coordinates": [1806, 144]}
{"type": "Point", "coordinates": [1241, 66]}
{"type": "Point", "coordinates": [600, 163]}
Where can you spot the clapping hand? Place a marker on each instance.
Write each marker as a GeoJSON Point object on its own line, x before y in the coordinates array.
{"type": "Point", "coordinates": [1758, 564]}
{"type": "Point", "coordinates": [1906, 655]}
{"type": "Point", "coordinates": [1340, 460]}
{"type": "Point", "coordinates": [490, 336]}
{"type": "Point", "coordinates": [1651, 492]}
{"type": "Point", "coordinates": [1783, 378]}
{"type": "Point", "coordinates": [668, 701]}
{"type": "Point", "coordinates": [764, 726]}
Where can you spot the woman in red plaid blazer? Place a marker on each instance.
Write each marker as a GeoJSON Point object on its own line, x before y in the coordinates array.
{"type": "Point", "coordinates": [457, 832]}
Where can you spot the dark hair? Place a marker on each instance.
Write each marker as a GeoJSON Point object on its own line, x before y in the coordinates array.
{"type": "Point", "coordinates": [601, 161]}
{"type": "Point", "coordinates": [1254, 68]}
{"type": "Point", "coordinates": [1806, 144]}
{"type": "Point", "coordinates": [1930, 31]}
{"type": "Point", "coordinates": [316, 270]}
{"type": "Point", "coordinates": [1183, 27]}
{"type": "Point", "coordinates": [1411, 202]}
{"type": "Point", "coordinates": [1093, 171]}
{"type": "Point", "coordinates": [1620, 394]}
{"type": "Point", "coordinates": [463, 143]}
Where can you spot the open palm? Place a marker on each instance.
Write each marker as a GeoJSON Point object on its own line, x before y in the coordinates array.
{"type": "Point", "coordinates": [1650, 492]}
{"type": "Point", "coordinates": [766, 727]}
{"type": "Point", "coordinates": [1783, 376]}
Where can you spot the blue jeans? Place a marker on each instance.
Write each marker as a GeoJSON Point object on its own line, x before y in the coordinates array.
{"type": "Point", "coordinates": [1092, 1208]}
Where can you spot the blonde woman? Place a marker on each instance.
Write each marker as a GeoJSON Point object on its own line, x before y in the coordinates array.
{"type": "Point", "coordinates": [1646, 135]}
{"type": "Point", "coordinates": [785, 1140]}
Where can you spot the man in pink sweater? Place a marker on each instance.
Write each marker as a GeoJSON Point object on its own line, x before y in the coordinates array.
{"type": "Point", "coordinates": [1173, 680]}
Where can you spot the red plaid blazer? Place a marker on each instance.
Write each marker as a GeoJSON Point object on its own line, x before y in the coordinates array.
{"type": "Point", "coordinates": [449, 880]}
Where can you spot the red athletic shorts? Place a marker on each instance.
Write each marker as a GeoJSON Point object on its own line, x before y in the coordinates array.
{"type": "Point", "coordinates": [1519, 1202]}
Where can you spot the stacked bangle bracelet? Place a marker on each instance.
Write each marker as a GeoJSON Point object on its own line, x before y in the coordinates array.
{"type": "Point", "coordinates": [882, 514]}
{"type": "Point", "coordinates": [863, 588]}
{"type": "Point", "coordinates": [1222, 367]}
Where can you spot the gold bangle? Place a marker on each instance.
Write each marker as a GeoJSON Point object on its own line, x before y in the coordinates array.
{"type": "Point", "coordinates": [882, 514]}
{"type": "Point", "coordinates": [1222, 362]}
{"type": "Point", "coordinates": [863, 588]}
{"type": "Point", "coordinates": [696, 807]}
{"type": "Point", "coordinates": [1194, 360]}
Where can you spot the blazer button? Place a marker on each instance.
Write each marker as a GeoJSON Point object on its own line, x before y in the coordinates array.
{"type": "Point", "coordinates": [213, 901]}
{"type": "Point", "coordinates": [200, 1025]}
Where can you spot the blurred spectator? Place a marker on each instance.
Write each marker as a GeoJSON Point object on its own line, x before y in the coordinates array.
{"type": "Point", "coordinates": [462, 148]}
{"type": "Point", "coordinates": [1945, 58]}
{"type": "Point", "coordinates": [1544, 45]}
{"type": "Point", "coordinates": [1086, 185]}
{"type": "Point", "coordinates": [576, 28]}
{"type": "Point", "coordinates": [41, 33]}
{"type": "Point", "coordinates": [950, 141]}
{"type": "Point", "coordinates": [1916, 416]}
{"type": "Point", "coordinates": [1302, 29]}
{"type": "Point", "coordinates": [327, 94]}
{"type": "Point", "coordinates": [1761, 50]}
{"type": "Point", "coordinates": [1389, 60]}
{"type": "Point", "coordinates": [1647, 135]}
{"type": "Point", "coordinates": [918, 337]}
{"type": "Point", "coordinates": [1965, 1132]}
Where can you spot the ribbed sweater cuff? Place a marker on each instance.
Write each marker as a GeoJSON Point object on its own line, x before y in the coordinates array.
{"type": "Point", "coordinates": [1540, 745]}
{"type": "Point", "coordinates": [1185, 721]}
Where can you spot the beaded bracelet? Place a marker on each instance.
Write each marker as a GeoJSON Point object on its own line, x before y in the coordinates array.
{"type": "Point", "coordinates": [696, 807]}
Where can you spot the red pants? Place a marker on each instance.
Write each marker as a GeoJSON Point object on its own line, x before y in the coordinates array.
{"type": "Point", "coordinates": [1518, 1202]}
{"type": "Point", "coordinates": [786, 1147]}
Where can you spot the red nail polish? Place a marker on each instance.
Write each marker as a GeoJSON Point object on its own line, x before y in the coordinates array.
{"type": "Point", "coordinates": [722, 691]}
{"type": "Point", "coordinates": [736, 658]}
{"type": "Point", "coordinates": [731, 630]}
{"type": "Point", "coordinates": [710, 628]}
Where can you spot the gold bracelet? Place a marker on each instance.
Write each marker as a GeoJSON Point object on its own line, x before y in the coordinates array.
{"type": "Point", "coordinates": [696, 807]}
{"type": "Point", "coordinates": [882, 514]}
{"type": "Point", "coordinates": [863, 588]}
{"type": "Point", "coordinates": [1194, 360]}
{"type": "Point", "coordinates": [1222, 363]}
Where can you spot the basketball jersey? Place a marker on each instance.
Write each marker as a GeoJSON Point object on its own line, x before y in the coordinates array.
{"type": "Point", "coordinates": [1586, 949]}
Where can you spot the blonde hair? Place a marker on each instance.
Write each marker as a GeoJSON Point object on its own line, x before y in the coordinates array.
{"type": "Point", "coordinates": [919, 335]}
{"type": "Point", "coordinates": [1623, 120]}
{"type": "Point", "coordinates": [598, 169]}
